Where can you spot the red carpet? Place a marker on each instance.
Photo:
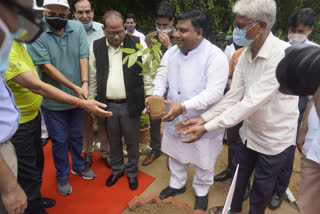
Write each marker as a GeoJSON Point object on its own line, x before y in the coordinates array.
{"type": "Point", "coordinates": [90, 196]}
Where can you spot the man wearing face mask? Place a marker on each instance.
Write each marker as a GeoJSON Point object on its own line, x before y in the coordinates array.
{"type": "Point", "coordinates": [62, 53]}
{"type": "Point", "coordinates": [270, 118]}
{"type": "Point", "coordinates": [83, 11]}
{"type": "Point", "coordinates": [130, 25]}
{"type": "Point", "coordinates": [23, 27]}
{"type": "Point", "coordinates": [301, 24]}
{"type": "Point", "coordinates": [165, 35]}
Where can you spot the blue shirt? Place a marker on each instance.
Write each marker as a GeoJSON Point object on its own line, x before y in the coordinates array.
{"type": "Point", "coordinates": [9, 113]}
{"type": "Point", "coordinates": [64, 53]}
{"type": "Point", "coordinates": [95, 33]}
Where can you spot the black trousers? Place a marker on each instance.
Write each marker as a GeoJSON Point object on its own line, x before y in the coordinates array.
{"type": "Point", "coordinates": [155, 137]}
{"type": "Point", "coordinates": [27, 143]}
{"type": "Point", "coordinates": [118, 126]}
{"type": "Point", "coordinates": [266, 170]}
{"type": "Point", "coordinates": [233, 137]}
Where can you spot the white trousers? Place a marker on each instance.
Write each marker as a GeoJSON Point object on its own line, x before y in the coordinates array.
{"type": "Point", "coordinates": [202, 179]}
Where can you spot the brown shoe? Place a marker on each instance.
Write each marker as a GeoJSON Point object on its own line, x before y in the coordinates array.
{"type": "Point", "coordinates": [150, 158]}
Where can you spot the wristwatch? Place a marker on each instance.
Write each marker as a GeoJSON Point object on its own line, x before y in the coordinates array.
{"type": "Point", "coordinates": [85, 81]}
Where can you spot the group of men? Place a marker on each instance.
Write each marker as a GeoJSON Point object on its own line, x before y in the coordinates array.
{"type": "Point", "coordinates": [81, 61]}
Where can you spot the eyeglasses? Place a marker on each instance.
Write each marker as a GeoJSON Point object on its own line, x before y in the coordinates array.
{"type": "Point", "coordinates": [30, 27]}
{"type": "Point", "coordinates": [59, 15]}
{"type": "Point", "coordinates": [114, 33]}
{"type": "Point", "coordinates": [240, 26]}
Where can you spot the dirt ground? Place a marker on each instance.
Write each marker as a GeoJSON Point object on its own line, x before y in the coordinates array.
{"type": "Point", "coordinates": [218, 191]}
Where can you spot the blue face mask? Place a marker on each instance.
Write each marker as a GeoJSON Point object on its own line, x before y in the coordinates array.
{"type": "Point", "coordinates": [166, 31]}
{"type": "Point", "coordinates": [239, 37]}
{"type": "Point", "coordinates": [5, 47]}
{"type": "Point", "coordinates": [88, 26]}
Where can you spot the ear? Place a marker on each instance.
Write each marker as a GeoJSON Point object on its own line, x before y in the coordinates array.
{"type": "Point", "coordinates": [263, 25]}
{"type": "Point", "coordinates": [200, 32]}
{"type": "Point", "coordinates": [310, 30]}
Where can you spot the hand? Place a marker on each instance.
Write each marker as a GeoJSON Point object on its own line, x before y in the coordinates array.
{"type": "Point", "coordinates": [85, 90]}
{"type": "Point", "coordinates": [189, 123]}
{"type": "Point", "coordinates": [95, 107]}
{"type": "Point", "coordinates": [80, 93]}
{"type": "Point", "coordinates": [164, 40]}
{"type": "Point", "coordinates": [14, 201]}
{"type": "Point", "coordinates": [197, 132]}
{"type": "Point", "coordinates": [300, 143]}
{"type": "Point", "coordinates": [175, 111]}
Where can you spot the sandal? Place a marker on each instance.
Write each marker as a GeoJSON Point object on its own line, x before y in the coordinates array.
{"type": "Point", "coordinates": [215, 210]}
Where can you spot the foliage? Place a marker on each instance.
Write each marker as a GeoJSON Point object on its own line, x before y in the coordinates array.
{"type": "Point", "coordinates": [219, 15]}
{"type": "Point", "coordinates": [144, 121]}
{"type": "Point", "coordinates": [150, 65]}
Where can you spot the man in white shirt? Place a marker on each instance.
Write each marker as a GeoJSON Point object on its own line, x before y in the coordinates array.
{"type": "Point", "coordinates": [195, 75]}
{"type": "Point", "coordinates": [83, 11]}
{"type": "Point", "coordinates": [270, 118]}
{"type": "Point", "coordinates": [131, 24]}
{"type": "Point", "coordinates": [122, 89]}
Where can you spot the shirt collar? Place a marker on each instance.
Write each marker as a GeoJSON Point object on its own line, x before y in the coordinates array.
{"type": "Point", "coordinates": [95, 26]}
{"type": "Point", "coordinates": [265, 50]}
{"type": "Point", "coordinates": [108, 46]}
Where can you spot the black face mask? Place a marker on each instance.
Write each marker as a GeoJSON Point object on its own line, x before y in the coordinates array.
{"type": "Point", "coordinates": [56, 22]}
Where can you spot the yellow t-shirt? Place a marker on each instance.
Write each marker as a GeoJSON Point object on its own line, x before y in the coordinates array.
{"type": "Point", "coordinates": [27, 102]}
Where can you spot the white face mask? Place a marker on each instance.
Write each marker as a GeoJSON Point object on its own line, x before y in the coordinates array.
{"type": "Point", "coordinates": [5, 47]}
{"type": "Point", "coordinates": [295, 38]}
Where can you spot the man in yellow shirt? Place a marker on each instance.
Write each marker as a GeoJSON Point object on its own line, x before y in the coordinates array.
{"type": "Point", "coordinates": [23, 80]}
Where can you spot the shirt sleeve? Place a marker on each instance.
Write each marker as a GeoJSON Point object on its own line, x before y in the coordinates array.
{"type": "Point", "coordinates": [38, 51]}
{"type": "Point", "coordinates": [17, 64]}
{"type": "Point", "coordinates": [256, 95]}
{"type": "Point", "coordinates": [92, 74]}
{"type": "Point", "coordinates": [160, 82]}
{"type": "Point", "coordinates": [217, 76]}
{"type": "Point", "coordinates": [84, 47]}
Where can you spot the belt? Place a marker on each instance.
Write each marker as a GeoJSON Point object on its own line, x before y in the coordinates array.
{"type": "Point", "coordinates": [118, 101]}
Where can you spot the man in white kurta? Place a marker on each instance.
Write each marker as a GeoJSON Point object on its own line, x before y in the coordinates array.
{"type": "Point", "coordinates": [195, 75]}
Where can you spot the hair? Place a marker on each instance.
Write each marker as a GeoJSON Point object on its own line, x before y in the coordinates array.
{"type": "Point", "coordinates": [304, 16]}
{"type": "Point", "coordinates": [111, 13]}
{"type": "Point", "coordinates": [74, 2]}
{"type": "Point", "coordinates": [198, 19]}
{"type": "Point", "coordinates": [165, 10]}
{"type": "Point", "coordinates": [258, 10]}
{"type": "Point", "coordinates": [130, 16]}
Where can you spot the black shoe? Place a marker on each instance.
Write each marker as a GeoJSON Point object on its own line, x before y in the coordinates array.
{"type": "Point", "coordinates": [88, 160]}
{"type": "Point", "coordinates": [167, 192]}
{"type": "Point", "coordinates": [48, 202]}
{"type": "Point", "coordinates": [133, 182]}
{"type": "Point", "coordinates": [247, 192]}
{"type": "Point", "coordinates": [201, 203]}
{"type": "Point", "coordinates": [223, 176]}
{"type": "Point", "coordinates": [44, 141]}
{"type": "Point", "coordinates": [107, 161]}
{"type": "Point", "coordinates": [113, 179]}
{"type": "Point", "coordinates": [275, 201]}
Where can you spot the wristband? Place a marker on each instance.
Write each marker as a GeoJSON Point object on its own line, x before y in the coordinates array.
{"type": "Point", "coordinates": [85, 81]}
{"type": "Point", "coordinates": [77, 103]}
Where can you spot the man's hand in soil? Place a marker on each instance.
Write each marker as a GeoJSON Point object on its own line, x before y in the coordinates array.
{"type": "Point", "coordinates": [175, 110]}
